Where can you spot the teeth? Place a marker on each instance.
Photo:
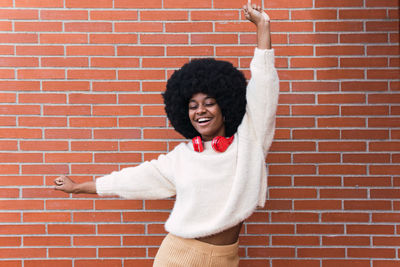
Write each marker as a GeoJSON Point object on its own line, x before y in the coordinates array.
{"type": "Point", "coordinates": [203, 120]}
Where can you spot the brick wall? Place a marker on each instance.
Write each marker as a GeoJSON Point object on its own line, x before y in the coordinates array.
{"type": "Point", "coordinates": [80, 85]}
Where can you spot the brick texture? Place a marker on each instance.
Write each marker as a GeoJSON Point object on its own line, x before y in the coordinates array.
{"type": "Point", "coordinates": [80, 85]}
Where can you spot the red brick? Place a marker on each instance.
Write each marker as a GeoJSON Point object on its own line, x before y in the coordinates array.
{"type": "Point", "coordinates": [190, 51]}
{"type": "Point", "coordinates": [384, 170]}
{"type": "Point", "coordinates": [64, 62]}
{"type": "Point", "coordinates": [184, 4]}
{"type": "Point", "coordinates": [364, 86]}
{"type": "Point", "coordinates": [315, 110]}
{"type": "Point", "coordinates": [164, 38]}
{"type": "Point", "coordinates": [18, 14]}
{"type": "Point", "coordinates": [341, 122]}
{"type": "Point", "coordinates": [294, 217]}
{"type": "Point", "coordinates": [362, 14]}
{"type": "Point", "coordinates": [343, 193]}
{"type": "Point", "coordinates": [21, 229]}
{"type": "Point", "coordinates": [365, 134]}
{"type": "Point", "coordinates": [346, 263]}
{"type": "Point", "coordinates": [363, 38]}
{"type": "Point", "coordinates": [365, 110]}
{"type": "Point", "coordinates": [366, 158]}
{"type": "Point", "coordinates": [40, 51]}
{"type": "Point", "coordinates": [340, 74]}
{"type": "Point", "coordinates": [48, 241]}
{"type": "Point", "coordinates": [367, 181]}
{"type": "Point", "coordinates": [386, 241]}
{"type": "Point", "coordinates": [120, 229]}
{"type": "Point", "coordinates": [64, 15]}
{"type": "Point", "coordinates": [97, 217]}
{"type": "Point", "coordinates": [21, 253]}
{"type": "Point", "coordinates": [383, 50]}
{"type": "Point", "coordinates": [320, 38]}
{"type": "Point", "coordinates": [289, 4]}
{"type": "Point", "coordinates": [367, 205]}
{"type": "Point", "coordinates": [93, 169]}
{"type": "Point", "coordinates": [371, 253]}
{"type": "Point", "coordinates": [117, 134]}
{"type": "Point", "coordinates": [137, 4]}
{"type": "Point", "coordinates": [19, 38]}
{"type": "Point", "coordinates": [71, 229]}
{"type": "Point", "coordinates": [98, 263]}
{"type": "Point", "coordinates": [64, 38]}
{"type": "Point", "coordinates": [214, 38]}
{"type": "Point", "coordinates": [321, 252]}
{"type": "Point", "coordinates": [271, 252]}
{"type": "Point", "coordinates": [191, 27]}
{"type": "Point", "coordinates": [317, 14]}
{"type": "Point", "coordinates": [317, 181]}
{"type": "Point", "coordinates": [117, 157]}
{"type": "Point", "coordinates": [8, 145]}
{"type": "Point", "coordinates": [98, 50]}
{"type": "Point", "coordinates": [97, 240]}
{"type": "Point", "coordinates": [339, 50]}
{"type": "Point", "coordinates": [72, 252]}
{"type": "Point", "coordinates": [210, 15]}
{"type": "Point", "coordinates": [10, 241]}
{"type": "Point", "coordinates": [91, 74]}
{"type": "Point", "coordinates": [319, 229]}
{"type": "Point", "coordinates": [382, 26]}
{"type": "Point", "coordinates": [324, 62]}
{"type": "Point", "coordinates": [291, 263]}
{"type": "Point", "coordinates": [88, 4]}
{"type": "Point", "coordinates": [42, 121]}
{"type": "Point", "coordinates": [132, 27]}
{"type": "Point", "coordinates": [40, 74]}
{"type": "Point", "coordinates": [113, 15]}
{"type": "Point", "coordinates": [38, 26]}
{"type": "Point", "coordinates": [343, 169]}
{"type": "Point", "coordinates": [48, 263]}
{"type": "Point", "coordinates": [346, 240]}
{"type": "Point", "coordinates": [317, 204]}
{"type": "Point", "coordinates": [44, 145]}
{"type": "Point", "coordinates": [80, 98]}
{"type": "Point", "coordinates": [338, 3]}
{"type": "Point", "coordinates": [342, 146]}
{"type": "Point", "coordinates": [70, 204]}
{"type": "Point", "coordinates": [93, 122]}
{"type": "Point", "coordinates": [385, 263]}
{"type": "Point", "coordinates": [68, 157]}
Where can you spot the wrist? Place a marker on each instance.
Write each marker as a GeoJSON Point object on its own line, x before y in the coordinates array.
{"type": "Point", "coordinates": [263, 24]}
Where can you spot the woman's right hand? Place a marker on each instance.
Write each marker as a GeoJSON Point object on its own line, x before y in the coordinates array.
{"type": "Point", "coordinates": [65, 184]}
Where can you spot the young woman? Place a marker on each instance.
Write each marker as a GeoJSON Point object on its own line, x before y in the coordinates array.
{"type": "Point", "coordinates": [219, 178]}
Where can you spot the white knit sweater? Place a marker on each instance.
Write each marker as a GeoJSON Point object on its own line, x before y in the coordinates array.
{"type": "Point", "coordinates": [214, 191]}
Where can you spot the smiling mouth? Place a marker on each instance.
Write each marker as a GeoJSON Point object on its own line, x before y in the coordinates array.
{"type": "Point", "coordinates": [203, 120]}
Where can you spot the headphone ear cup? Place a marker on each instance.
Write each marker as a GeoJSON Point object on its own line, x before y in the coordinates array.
{"type": "Point", "coordinates": [197, 144]}
{"type": "Point", "coordinates": [220, 143]}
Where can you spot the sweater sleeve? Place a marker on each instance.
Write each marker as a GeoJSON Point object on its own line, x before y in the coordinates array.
{"type": "Point", "coordinates": [262, 96]}
{"type": "Point", "coordinates": [149, 180]}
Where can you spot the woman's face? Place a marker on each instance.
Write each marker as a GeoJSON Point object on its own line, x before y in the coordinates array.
{"type": "Point", "coordinates": [206, 117]}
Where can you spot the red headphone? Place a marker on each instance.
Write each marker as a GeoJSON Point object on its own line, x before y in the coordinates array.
{"type": "Point", "coordinates": [219, 143]}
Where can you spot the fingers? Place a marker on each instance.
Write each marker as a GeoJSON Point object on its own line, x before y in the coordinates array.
{"type": "Point", "coordinates": [59, 180]}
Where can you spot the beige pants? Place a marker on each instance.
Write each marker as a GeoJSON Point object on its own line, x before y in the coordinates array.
{"type": "Point", "coordinates": [181, 252]}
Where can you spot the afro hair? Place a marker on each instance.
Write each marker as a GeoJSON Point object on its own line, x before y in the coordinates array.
{"type": "Point", "coordinates": [215, 78]}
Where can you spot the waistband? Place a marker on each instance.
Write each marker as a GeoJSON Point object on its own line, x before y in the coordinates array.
{"type": "Point", "coordinates": [213, 250]}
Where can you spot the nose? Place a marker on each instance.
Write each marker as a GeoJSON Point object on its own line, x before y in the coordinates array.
{"type": "Point", "coordinates": [201, 109]}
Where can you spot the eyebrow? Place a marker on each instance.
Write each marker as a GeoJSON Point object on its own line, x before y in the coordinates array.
{"type": "Point", "coordinates": [207, 97]}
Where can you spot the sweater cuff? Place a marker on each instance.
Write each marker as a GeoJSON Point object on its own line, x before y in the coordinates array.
{"type": "Point", "coordinates": [104, 186]}
{"type": "Point", "coordinates": [263, 58]}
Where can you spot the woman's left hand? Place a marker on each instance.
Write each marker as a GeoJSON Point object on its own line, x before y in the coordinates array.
{"type": "Point", "coordinates": [255, 14]}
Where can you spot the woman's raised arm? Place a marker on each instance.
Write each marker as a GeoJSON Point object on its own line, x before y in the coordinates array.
{"type": "Point", "coordinates": [259, 18]}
